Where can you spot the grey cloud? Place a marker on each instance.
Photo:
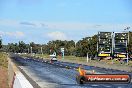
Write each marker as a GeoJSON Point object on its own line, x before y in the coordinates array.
{"type": "Point", "coordinates": [44, 25]}
{"type": "Point", "coordinates": [27, 23]}
{"type": "Point", "coordinates": [97, 25]}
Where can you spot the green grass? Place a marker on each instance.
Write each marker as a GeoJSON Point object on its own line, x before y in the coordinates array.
{"type": "Point", "coordinates": [3, 70]}
{"type": "Point", "coordinates": [42, 55]}
{"type": "Point", "coordinates": [81, 59]}
{"type": "Point", "coordinates": [3, 60]}
{"type": "Point", "coordinates": [130, 63]}
{"type": "Point", "coordinates": [84, 59]}
{"type": "Point", "coordinates": [36, 55]}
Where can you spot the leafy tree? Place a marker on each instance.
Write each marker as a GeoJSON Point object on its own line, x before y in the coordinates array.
{"type": "Point", "coordinates": [12, 47]}
{"type": "Point", "coordinates": [22, 47]}
{"type": "Point", "coordinates": [83, 46]}
{"type": "Point", "coordinates": [35, 47]}
{"type": "Point", "coordinates": [0, 43]}
{"type": "Point", "coordinates": [56, 45]}
{"type": "Point", "coordinates": [87, 45]}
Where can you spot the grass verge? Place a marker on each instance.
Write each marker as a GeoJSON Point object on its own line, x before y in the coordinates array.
{"type": "Point", "coordinates": [3, 70]}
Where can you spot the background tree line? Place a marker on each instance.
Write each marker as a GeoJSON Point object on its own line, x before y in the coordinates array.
{"type": "Point", "coordinates": [81, 48]}
{"type": "Point", "coordinates": [87, 44]}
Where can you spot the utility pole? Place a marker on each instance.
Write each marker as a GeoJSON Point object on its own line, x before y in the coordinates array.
{"type": "Point", "coordinates": [87, 57]}
{"type": "Point", "coordinates": [112, 54]}
{"type": "Point", "coordinates": [28, 50]}
{"type": "Point", "coordinates": [89, 50]}
{"type": "Point", "coordinates": [97, 44]}
{"type": "Point", "coordinates": [62, 51]}
{"type": "Point", "coordinates": [127, 43]}
{"type": "Point", "coordinates": [127, 52]}
{"type": "Point", "coordinates": [31, 51]}
{"type": "Point", "coordinates": [75, 43]}
{"type": "Point", "coordinates": [41, 50]}
{"type": "Point", "coordinates": [0, 42]}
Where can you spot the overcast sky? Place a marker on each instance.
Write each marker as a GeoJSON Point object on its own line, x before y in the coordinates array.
{"type": "Point", "coordinates": [40, 21]}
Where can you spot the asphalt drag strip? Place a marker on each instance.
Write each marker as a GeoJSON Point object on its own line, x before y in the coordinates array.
{"type": "Point", "coordinates": [57, 75]}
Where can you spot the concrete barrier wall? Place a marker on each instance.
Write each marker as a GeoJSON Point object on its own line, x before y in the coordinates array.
{"type": "Point", "coordinates": [15, 78]}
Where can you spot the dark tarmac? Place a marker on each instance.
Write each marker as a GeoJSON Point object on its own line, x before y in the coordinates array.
{"type": "Point", "coordinates": [62, 74]}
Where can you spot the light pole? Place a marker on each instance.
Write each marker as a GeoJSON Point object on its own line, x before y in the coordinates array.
{"type": "Point", "coordinates": [41, 50]}
{"type": "Point", "coordinates": [87, 57]}
{"type": "Point", "coordinates": [89, 38]}
{"type": "Point", "coordinates": [112, 50]}
{"type": "Point", "coordinates": [127, 43]}
{"type": "Point", "coordinates": [28, 50]}
{"type": "Point", "coordinates": [31, 50]}
{"type": "Point", "coordinates": [62, 51]}
{"type": "Point", "coordinates": [75, 43]}
{"type": "Point", "coordinates": [75, 47]}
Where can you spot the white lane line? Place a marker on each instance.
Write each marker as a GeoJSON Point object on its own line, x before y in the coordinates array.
{"type": "Point", "coordinates": [107, 86]}
{"type": "Point", "coordinates": [94, 85]}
